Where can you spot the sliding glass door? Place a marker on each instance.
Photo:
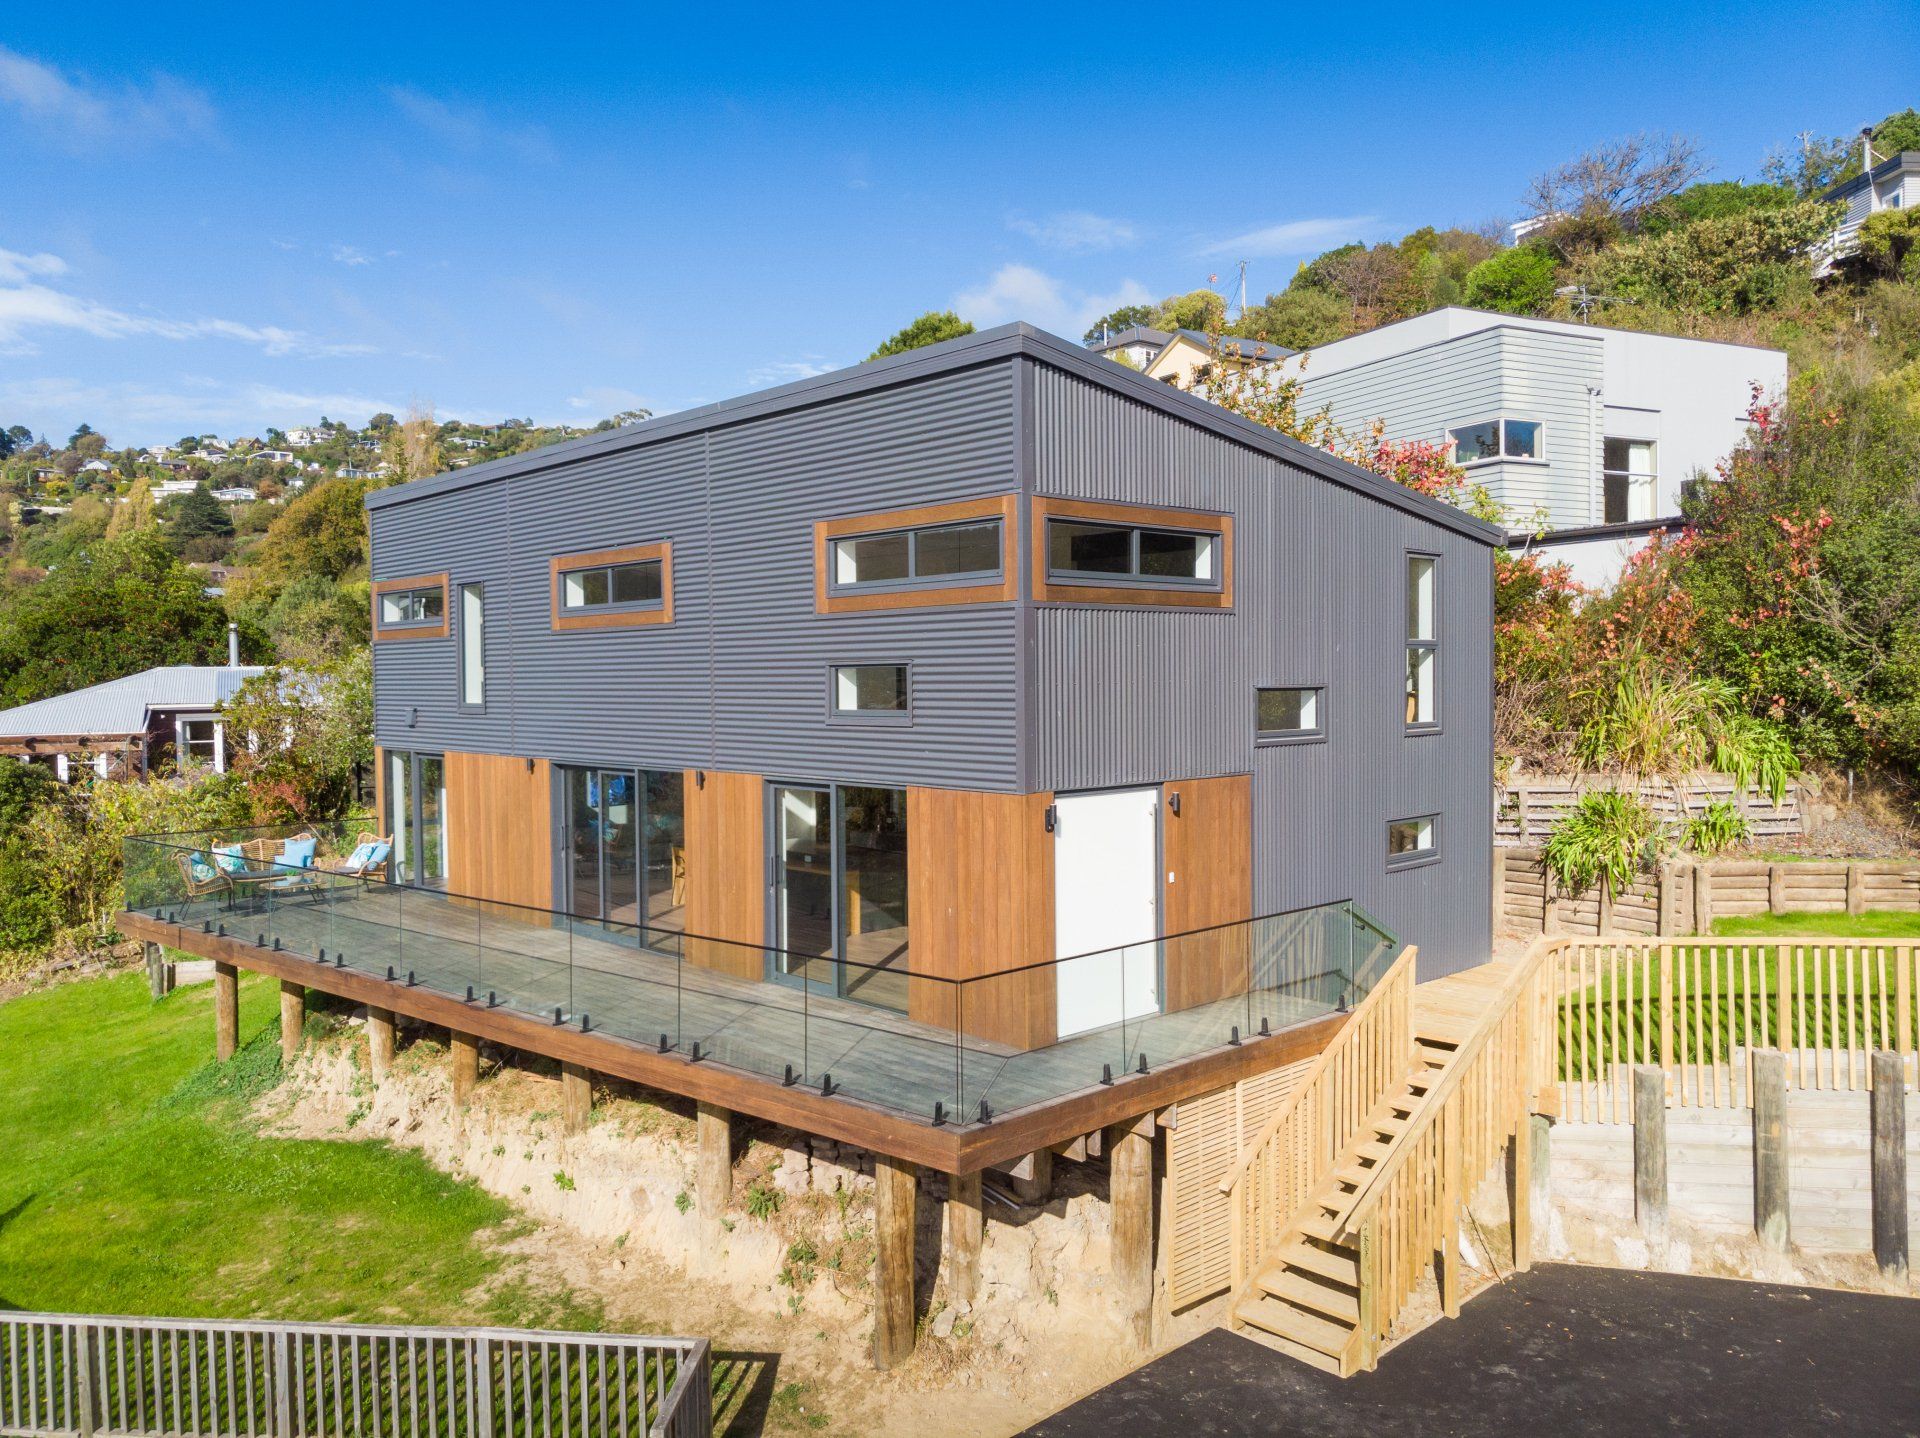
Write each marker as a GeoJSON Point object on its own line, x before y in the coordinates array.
{"type": "Point", "coordinates": [416, 817]}
{"type": "Point", "coordinates": [838, 896]}
{"type": "Point", "coordinates": [625, 857]}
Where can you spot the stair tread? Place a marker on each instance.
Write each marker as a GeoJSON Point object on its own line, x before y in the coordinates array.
{"type": "Point", "coordinates": [1322, 1299]}
{"type": "Point", "coordinates": [1283, 1320]}
{"type": "Point", "coordinates": [1297, 1351]}
{"type": "Point", "coordinates": [1340, 1267]}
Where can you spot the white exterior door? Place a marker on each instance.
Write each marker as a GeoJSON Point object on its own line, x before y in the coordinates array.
{"type": "Point", "coordinates": [1106, 907]}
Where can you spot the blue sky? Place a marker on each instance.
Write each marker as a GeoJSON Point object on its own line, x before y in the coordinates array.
{"type": "Point", "coordinates": [224, 217]}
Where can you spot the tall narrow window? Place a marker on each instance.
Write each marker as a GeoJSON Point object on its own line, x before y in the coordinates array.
{"type": "Point", "coordinates": [473, 646]}
{"type": "Point", "coordinates": [1629, 475]}
{"type": "Point", "coordinates": [1423, 648]}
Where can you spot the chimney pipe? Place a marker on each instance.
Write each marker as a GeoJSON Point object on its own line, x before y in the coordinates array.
{"type": "Point", "coordinates": [233, 644]}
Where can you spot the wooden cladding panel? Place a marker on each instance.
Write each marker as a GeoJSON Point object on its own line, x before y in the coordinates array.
{"type": "Point", "coordinates": [726, 868]}
{"type": "Point", "coordinates": [980, 892]}
{"type": "Point", "coordinates": [602, 618]}
{"type": "Point", "coordinates": [500, 830]}
{"type": "Point", "coordinates": [413, 631]}
{"type": "Point", "coordinates": [1136, 593]}
{"type": "Point", "coordinates": [1004, 508]}
{"type": "Point", "coordinates": [1208, 849]}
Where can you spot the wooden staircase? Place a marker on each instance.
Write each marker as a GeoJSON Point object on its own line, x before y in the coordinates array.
{"type": "Point", "coordinates": [1305, 1301]}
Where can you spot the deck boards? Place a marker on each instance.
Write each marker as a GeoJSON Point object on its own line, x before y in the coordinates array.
{"type": "Point", "coordinates": [1450, 1009]}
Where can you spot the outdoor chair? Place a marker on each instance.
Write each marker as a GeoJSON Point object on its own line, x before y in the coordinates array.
{"type": "Point", "coordinates": [369, 859]}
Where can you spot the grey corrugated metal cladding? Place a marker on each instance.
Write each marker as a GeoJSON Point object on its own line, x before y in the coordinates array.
{"type": "Point", "coordinates": [1008, 697]}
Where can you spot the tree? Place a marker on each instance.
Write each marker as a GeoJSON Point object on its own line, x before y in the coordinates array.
{"type": "Point", "coordinates": [133, 514]}
{"type": "Point", "coordinates": [1890, 244]}
{"type": "Point", "coordinates": [1732, 265]}
{"type": "Point", "coordinates": [113, 609]}
{"type": "Point", "coordinates": [1713, 200]}
{"type": "Point", "coordinates": [1518, 281]}
{"type": "Point", "coordinates": [1298, 319]}
{"type": "Point", "coordinates": [930, 329]}
{"type": "Point", "coordinates": [1124, 318]}
{"type": "Point", "coordinates": [1201, 310]}
{"type": "Point", "coordinates": [299, 735]}
{"type": "Point", "coordinates": [412, 449]}
{"type": "Point", "coordinates": [323, 533]}
{"type": "Point", "coordinates": [197, 515]}
{"type": "Point", "coordinates": [1617, 180]}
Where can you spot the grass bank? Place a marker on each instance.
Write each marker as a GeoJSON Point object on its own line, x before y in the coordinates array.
{"type": "Point", "coordinates": [1874, 924]}
{"type": "Point", "coordinates": [133, 1182]}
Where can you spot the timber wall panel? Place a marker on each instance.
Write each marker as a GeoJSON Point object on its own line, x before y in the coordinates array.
{"type": "Point", "coordinates": [1207, 850]}
{"type": "Point", "coordinates": [980, 896]}
{"type": "Point", "coordinates": [499, 830]}
{"type": "Point", "coordinates": [726, 872]}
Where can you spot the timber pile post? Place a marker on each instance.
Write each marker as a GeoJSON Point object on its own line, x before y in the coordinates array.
{"type": "Point", "coordinates": [896, 1185]}
{"type": "Point", "coordinates": [966, 1230]}
{"type": "Point", "coordinates": [380, 1036]}
{"type": "Point", "coordinates": [1650, 1153]}
{"type": "Point", "coordinates": [293, 1021]}
{"type": "Point", "coordinates": [1770, 1216]}
{"type": "Point", "coordinates": [464, 1054]}
{"type": "Point", "coordinates": [576, 1098]}
{"type": "Point", "coordinates": [161, 974]}
{"type": "Point", "coordinates": [1035, 1184]}
{"type": "Point", "coordinates": [226, 1011]}
{"type": "Point", "coordinates": [714, 1162]}
{"type": "Point", "coordinates": [1890, 1165]}
{"type": "Point", "coordinates": [1130, 1149]}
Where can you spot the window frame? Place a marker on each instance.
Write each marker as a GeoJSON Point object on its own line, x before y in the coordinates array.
{"type": "Point", "coordinates": [942, 590]}
{"type": "Point", "coordinates": [432, 628]}
{"type": "Point", "coordinates": [1133, 578]}
{"type": "Point", "coordinates": [913, 580]}
{"type": "Point", "coordinates": [1651, 476]}
{"type": "Point", "coordinates": [610, 616]}
{"type": "Point", "coordinates": [1414, 858]}
{"type": "Point", "coordinates": [1500, 421]}
{"type": "Point", "coordinates": [893, 717]}
{"type": "Point", "coordinates": [478, 589]}
{"type": "Point", "coordinates": [1051, 586]}
{"type": "Point", "coordinates": [1413, 644]}
{"type": "Point", "coordinates": [1275, 738]}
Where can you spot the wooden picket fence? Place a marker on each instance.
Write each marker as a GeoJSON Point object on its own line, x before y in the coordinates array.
{"type": "Point", "coordinates": [1365, 1063]}
{"type": "Point", "coordinates": [1699, 1010]}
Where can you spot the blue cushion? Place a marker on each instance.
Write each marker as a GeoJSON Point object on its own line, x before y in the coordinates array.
{"type": "Point", "coordinates": [361, 856]}
{"type": "Point", "coordinates": [295, 854]}
{"type": "Point", "coordinates": [230, 858]}
{"type": "Point", "coordinates": [378, 854]}
{"type": "Point", "coordinates": [201, 870]}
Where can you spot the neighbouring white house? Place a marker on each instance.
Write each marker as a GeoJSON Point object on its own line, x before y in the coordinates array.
{"type": "Point", "coordinates": [1889, 184]}
{"type": "Point", "coordinates": [96, 466]}
{"type": "Point", "coordinates": [169, 488]}
{"type": "Point", "coordinates": [1588, 433]}
{"type": "Point", "coordinates": [1174, 355]}
{"type": "Point", "coordinates": [237, 494]}
{"type": "Point", "coordinates": [353, 471]}
{"type": "Point", "coordinates": [274, 456]}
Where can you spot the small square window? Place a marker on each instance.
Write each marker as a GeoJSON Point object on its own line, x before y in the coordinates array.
{"type": "Point", "coordinates": [1522, 439]}
{"type": "Point", "coordinates": [870, 689]}
{"type": "Point", "coordinates": [1413, 841]}
{"type": "Point", "coordinates": [1287, 714]}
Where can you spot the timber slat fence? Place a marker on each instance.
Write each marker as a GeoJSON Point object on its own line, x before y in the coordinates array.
{"type": "Point", "coordinates": [78, 1376]}
{"type": "Point", "coordinates": [1699, 1009]}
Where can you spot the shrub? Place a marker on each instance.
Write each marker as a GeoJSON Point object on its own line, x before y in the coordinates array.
{"type": "Point", "coordinates": [1518, 281]}
{"type": "Point", "coordinates": [763, 1199]}
{"type": "Point", "coordinates": [1608, 835]}
{"type": "Point", "coordinates": [1890, 244]}
{"type": "Point", "coordinates": [1716, 828]}
{"type": "Point", "coordinates": [1733, 264]}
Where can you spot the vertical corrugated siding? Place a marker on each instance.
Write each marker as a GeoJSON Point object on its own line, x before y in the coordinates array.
{"type": "Point", "coordinates": [739, 679]}
{"type": "Point", "coordinates": [1131, 696]}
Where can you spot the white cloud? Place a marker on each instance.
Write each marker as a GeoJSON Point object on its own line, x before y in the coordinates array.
{"type": "Point", "coordinates": [78, 114]}
{"type": "Point", "coordinates": [468, 128]}
{"type": "Point", "coordinates": [1077, 230]}
{"type": "Point", "coordinates": [604, 401]}
{"type": "Point", "coordinates": [351, 255]}
{"type": "Point", "coordinates": [26, 305]}
{"type": "Point", "coordinates": [786, 371]}
{"type": "Point", "coordinates": [1292, 237]}
{"type": "Point", "coordinates": [1020, 292]}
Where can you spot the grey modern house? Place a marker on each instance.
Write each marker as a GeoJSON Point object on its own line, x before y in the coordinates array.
{"type": "Point", "coordinates": [957, 663]}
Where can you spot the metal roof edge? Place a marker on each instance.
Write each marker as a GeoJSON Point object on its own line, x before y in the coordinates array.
{"type": "Point", "coordinates": [987, 347]}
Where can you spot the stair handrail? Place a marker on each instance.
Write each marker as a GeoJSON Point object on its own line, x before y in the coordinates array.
{"type": "Point", "coordinates": [1537, 1053]}
{"type": "Point", "coordinates": [1388, 1004]}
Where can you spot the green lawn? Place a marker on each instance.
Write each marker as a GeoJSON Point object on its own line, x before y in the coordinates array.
{"type": "Point", "coordinates": [1874, 924]}
{"type": "Point", "coordinates": [132, 1182]}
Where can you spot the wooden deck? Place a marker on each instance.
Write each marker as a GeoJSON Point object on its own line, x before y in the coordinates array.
{"type": "Point", "coordinates": [1452, 1008]}
{"type": "Point", "coordinates": [654, 1005]}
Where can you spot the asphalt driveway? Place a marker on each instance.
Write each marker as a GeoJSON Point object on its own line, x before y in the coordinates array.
{"type": "Point", "coordinates": [1562, 1352]}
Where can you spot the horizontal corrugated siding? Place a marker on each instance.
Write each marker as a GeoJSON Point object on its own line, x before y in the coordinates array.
{"type": "Point", "coordinates": [739, 679]}
{"type": "Point", "coordinates": [1528, 374]}
{"type": "Point", "coordinates": [1127, 696]}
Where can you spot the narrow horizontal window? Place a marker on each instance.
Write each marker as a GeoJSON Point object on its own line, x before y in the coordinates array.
{"type": "Point", "coordinates": [870, 689]}
{"type": "Point", "coordinates": [1281, 714]}
{"type": "Point", "coordinates": [1413, 841]}
{"type": "Point", "coordinates": [413, 606]}
{"type": "Point", "coordinates": [907, 556]}
{"type": "Point", "coordinates": [1492, 439]}
{"type": "Point", "coordinates": [1084, 549]}
{"type": "Point", "coordinates": [613, 586]}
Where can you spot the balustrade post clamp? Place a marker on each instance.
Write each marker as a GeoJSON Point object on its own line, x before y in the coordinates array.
{"type": "Point", "coordinates": [694, 1056]}
{"type": "Point", "coordinates": [1106, 1073]}
{"type": "Point", "coordinates": [469, 993]}
{"type": "Point", "coordinates": [826, 1085]}
{"type": "Point", "coordinates": [986, 1113]}
{"type": "Point", "coordinates": [586, 1022]}
{"type": "Point", "coordinates": [1233, 1039]}
{"type": "Point", "coordinates": [939, 1113]}
{"type": "Point", "coordinates": [1143, 1065]}
{"type": "Point", "coordinates": [787, 1082]}
{"type": "Point", "coordinates": [390, 974]}
{"type": "Point", "coordinates": [411, 981]}
{"type": "Point", "coordinates": [1265, 1032]}
{"type": "Point", "coordinates": [664, 1046]}
{"type": "Point", "coordinates": [558, 1017]}
{"type": "Point", "coordinates": [492, 1001]}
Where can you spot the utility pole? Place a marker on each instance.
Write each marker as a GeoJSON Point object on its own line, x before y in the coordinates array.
{"type": "Point", "coordinates": [1243, 289]}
